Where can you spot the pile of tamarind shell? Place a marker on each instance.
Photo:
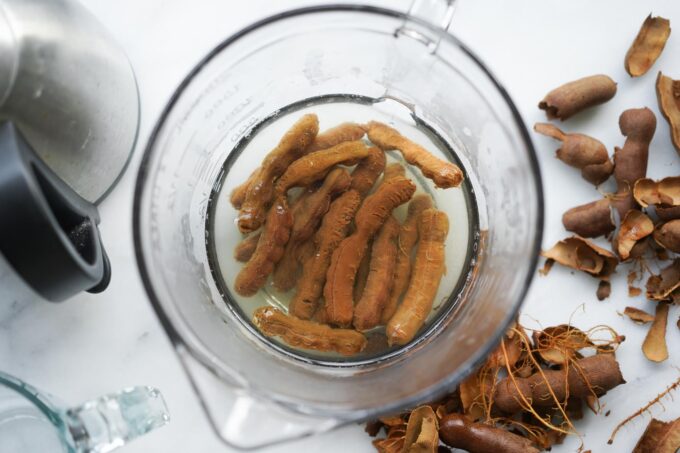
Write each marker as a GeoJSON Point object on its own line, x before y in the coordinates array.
{"type": "Point", "coordinates": [530, 389]}
{"type": "Point", "coordinates": [337, 242]}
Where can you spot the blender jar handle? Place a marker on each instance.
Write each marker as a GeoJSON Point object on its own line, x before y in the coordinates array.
{"type": "Point", "coordinates": [109, 422]}
{"type": "Point", "coordinates": [244, 421]}
{"type": "Point", "coordinates": [435, 12]}
{"type": "Point", "coordinates": [48, 233]}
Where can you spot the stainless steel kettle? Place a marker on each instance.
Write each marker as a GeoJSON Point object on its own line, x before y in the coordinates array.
{"type": "Point", "coordinates": [69, 114]}
{"type": "Point", "coordinates": [69, 89]}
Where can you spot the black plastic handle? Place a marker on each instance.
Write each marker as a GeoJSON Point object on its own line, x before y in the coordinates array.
{"type": "Point", "coordinates": [48, 233]}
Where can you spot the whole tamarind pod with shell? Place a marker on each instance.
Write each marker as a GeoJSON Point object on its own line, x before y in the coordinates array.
{"type": "Point", "coordinates": [580, 151]}
{"type": "Point", "coordinates": [457, 431]}
{"type": "Point", "coordinates": [428, 269]}
{"type": "Point", "coordinates": [596, 374]}
{"type": "Point", "coordinates": [574, 97]}
{"type": "Point", "coordinates": [630, 165]}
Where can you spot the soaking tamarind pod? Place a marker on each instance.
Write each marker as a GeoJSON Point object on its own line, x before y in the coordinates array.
{"type": "Point", "coordinates": [647, 46]}
{"type": "Point", "coordinates": [362, 273]}
{"type": "Point", "coordinates": [428, 269]}
{"type": "Point", "coordinates": [239, 193]}
{"type": "Point", "coordinates": [574, 97]}
{"type": "Point", "coordinates": [245, 249]}
{"type": "Point", "coordinates": [598, 374]}
{"type": "Point", "coordinates": [392, 171]}
{"type": "Point", "coordinates": [408, 237]}
{"type": "Point", "coordinates": [654, 347]}
{"type": "Point", "coordinates": [634, 227]}
{"type": "Point", "coordinates": [379, 282]}
{"type": "Point", "coordinates": [667, 235]}
{"type": "Point", "coordinates": [260, 192]}
{"type": "Point", "coordinates": [305, 334]}
{"type": "Point", "coordinates": [378, 206]}
{"type": "Point", "coordinates": [368, 170]}
{"type": "Point", "coordinates": [306, 217]}
{"type": "Point", "coordinates": [580, 151]}
{"type": "Point", "coordinates": [341, 275]}
{"type": "Point", "coordinates": [444, 174]}
{"type": "Point", "coordinates": [457, 431]}
{"type": "Point", "coordinates": [334, 228]}
{"type": "Point", "coordinates": [589, 220]}
{"type": "Point", "coordinates": [668, 96]}
{"type": "Point", "coordinates": [270, 247]}
{"type": "Point", "coordinates": [665, 192]}
{"type": "Point", "coordinates": [315, 166]}
{"type": "Point", "coordinates": [345, 132]}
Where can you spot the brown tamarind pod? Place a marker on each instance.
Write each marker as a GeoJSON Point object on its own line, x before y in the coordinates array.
{"type": "Point", "coordinates": [598, 374]}
{"type": "Point", "coordinates": [574, 97]}
{"type": "Point", "coordinates": [580, 151]}
{"type": "Point", "coordinates": [589, 220]}
{"type": "Point", "coordinates": [457, 431]}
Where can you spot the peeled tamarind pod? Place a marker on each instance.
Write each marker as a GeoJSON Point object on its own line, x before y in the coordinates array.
{"type": "Point", "coordinates": [648, 44]}
{"type": "Point", "coordinates": [306, 217]}
{"type": "Point", "coordinates": [408, 237]}
{"type": "Point", "coordinates": [581, 151]}
{"type": "Point", "coordinates": [573, 97]}
{"type": "Point", "coordinates": [369, 308]}
{"type": "Point", "coordinates": [444, 174]}
{"type": "Point", "coordinates": [362, 274]}
{"type": "Point", "coordinates": [341, 275]}
{"type": "Point", "coordinates": [315, 166]}
{"type": "Point", "coordinates": [308, 334]}
{"type": "Point", "coordinates": [345, 132]}
{"type": "Point", "coordinates": [368, 170]}
{"type": "Point", "coordinates": [598, 374]}
{"type": "Point", "coordinates": [245, 249]}
{"type": "Point", "coordinates": [457, 431]}
{"type": "Point", "coordinates": [428, 269]}
{"type": "Point", "coordinates": [334, 228]}
{"type": "Point", "coordinates": [260, 193]}
{"type": "Point", "coordinates": [270, 247]}
{"type": "Point", "coordinates": [667, 235]}
{"type": "Point", "coordinates": [589, 220]}
{"type": "Point", "coordinates": [239, 192]}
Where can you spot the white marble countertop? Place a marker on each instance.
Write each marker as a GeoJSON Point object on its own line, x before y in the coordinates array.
{"type": "Point", "coordinates": [91, 344]}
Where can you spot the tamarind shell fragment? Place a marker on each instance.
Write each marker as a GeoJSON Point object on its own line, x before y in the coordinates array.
{"type": "Point", "coordinates": [647, 46]}
{"type": "Point", "coordinates": [668, 96]}
{"type": "Point", "coordinates": [574, 97]}
{"type": "Point", "coordinates": [457, 431]}
{"type": "Point", "coordinates": [667, 235]}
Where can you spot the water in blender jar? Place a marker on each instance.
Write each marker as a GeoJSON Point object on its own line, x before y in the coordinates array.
{"type": "Point", "coordinates": [458, 203]}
